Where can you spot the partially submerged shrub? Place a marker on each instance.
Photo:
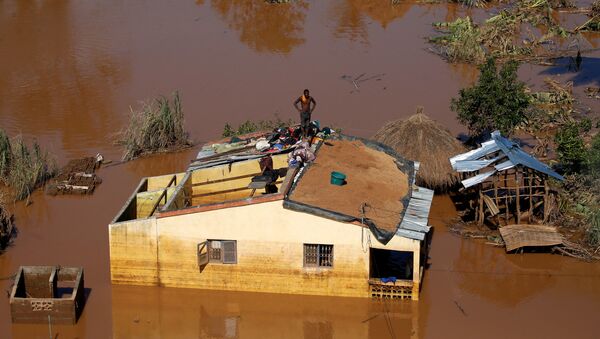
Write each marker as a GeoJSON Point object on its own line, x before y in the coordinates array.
{"type": "Point", "coordinates": [593, 24]}
{"type": "Point", "coordinates": [461, 42]}
{"type": "Point", "coordinates": [593, 157]}
{"type": "Point", "coordinates": [6, 223]}
{"type": "Point", "coordinates": [5, 154]}
{"type": "Point", "coordinates": [251, 126]}
{"type": "Point", "coordinates": [570, 147]}
{"type": "Point", "coordinates": [24, 169]}
{"type": "Point", "coordinates": [593, 232]}
{"type": "Point", "coordinates": [501, 35]}
{"type": "Point", "coordinates": [497, 101]}
{"type": "Point", "coordinates": [156, 127]}
{"type": "Point", "coordinates": [595, 9]}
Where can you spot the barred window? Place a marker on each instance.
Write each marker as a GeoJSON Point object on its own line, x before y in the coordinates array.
{"type": "Point", "coordinates": [222, 251]}
{"type": "Point", "coordinates": [317, 255]}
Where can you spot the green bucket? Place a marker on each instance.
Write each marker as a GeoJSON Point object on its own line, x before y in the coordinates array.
{"type": "Point", "coordinates": [338, 178]}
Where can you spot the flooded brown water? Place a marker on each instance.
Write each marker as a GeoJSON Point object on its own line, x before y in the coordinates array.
{"type": "Point", "coordinates": [71, 69]}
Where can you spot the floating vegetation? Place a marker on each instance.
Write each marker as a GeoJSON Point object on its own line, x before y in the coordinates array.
{"type": "Point", "coordinates": [467, 3]}
{"type": "Point", "coordinates": [156, 127]}
{"type": "Point", "coordinates": [507, 35]}
{"type": "Point", "coordinates": [593, 24]}
{"type": "Point", "coordinates": [23, 169]}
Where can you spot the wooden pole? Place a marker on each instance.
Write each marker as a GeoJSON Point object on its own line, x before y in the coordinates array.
{"type": "Point", "coordinates": [518, 188]}
{"type": "Point", "coordinates": [530, 182]}
{"type": "Point", "coordinates": [545, 199]}
{"type": "Point", "coordinates": [506, 197]}
{"type": "Point", "coordinates": [495, 181]}
{"type": "Point", "coordinates": [480, 214]}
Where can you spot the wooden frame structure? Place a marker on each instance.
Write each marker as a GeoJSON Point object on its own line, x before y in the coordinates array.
{"type": "Point", "coordinates": [506, 184]}
{"type": "Point", "coordinates": [512, 196]}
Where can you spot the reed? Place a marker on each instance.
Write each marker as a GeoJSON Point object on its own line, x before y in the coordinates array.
{"type": "Point", "coordinates": [156, 127]}
{"type": "Point", "coordinates": [24, 168]}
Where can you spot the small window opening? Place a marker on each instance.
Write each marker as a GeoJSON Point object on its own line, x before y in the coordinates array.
{"type": "Point", "coordinates": [318, 255]}
{"type": "Point", "coordinates": [222, 251]}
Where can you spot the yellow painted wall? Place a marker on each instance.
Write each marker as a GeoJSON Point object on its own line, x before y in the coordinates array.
{"type": "Point", "coordinates": [162, 181]}
{"type": "Point", "coordinates": [146, 200]}
{"type": "Point", "coordinates": [270, 251]}
{"type": "Point", "coordinates": [133, 252]}
{"type": "Point", "coordinates": [237, 169]}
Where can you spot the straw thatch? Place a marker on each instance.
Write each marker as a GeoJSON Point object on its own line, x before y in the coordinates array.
{"type": "Point", "coordinates": [421, 139]}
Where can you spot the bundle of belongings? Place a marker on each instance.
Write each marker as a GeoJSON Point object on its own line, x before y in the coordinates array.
{"type": "Point", "coordinates": [268, 176]}
{"type": "Point", "coordinates": [302, 153]}
{"type": "Point", "coordinates": [257, 145]}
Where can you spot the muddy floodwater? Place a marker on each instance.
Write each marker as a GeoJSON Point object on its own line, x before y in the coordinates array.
{"type": "Point", "coordinates": [70, 70]}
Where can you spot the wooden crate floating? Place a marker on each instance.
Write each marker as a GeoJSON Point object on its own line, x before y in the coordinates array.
{"type": "Point", "coordinates": [47, 293]}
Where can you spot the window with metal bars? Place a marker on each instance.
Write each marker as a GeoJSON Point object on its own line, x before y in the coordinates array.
{"type": "Point", "coordinates": [318, 255]}
{"type": "Point", "coordinates": [222, 251]}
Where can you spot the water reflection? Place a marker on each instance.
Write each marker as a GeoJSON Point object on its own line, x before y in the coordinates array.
{"type": "Point", "coordinates": [149, 312]}
{"type": "Point", "coordinates": [264, 27]}
{"type": "Point", "coordinates": [352, 16]}
{"type": "Point", "coordinates": [498, 277]}
{"type": "Point", "coordinates": [57, 76]}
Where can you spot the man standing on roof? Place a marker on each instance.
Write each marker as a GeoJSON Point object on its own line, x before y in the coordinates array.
{"type": "Point", "coordinates": [305, 110]}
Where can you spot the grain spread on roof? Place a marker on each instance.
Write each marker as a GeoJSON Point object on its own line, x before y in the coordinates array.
{"type": "Point", "coordinates": [372, 178]}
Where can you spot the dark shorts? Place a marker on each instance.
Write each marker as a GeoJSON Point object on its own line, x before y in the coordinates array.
{"type": "Point", "coordinates": [304, 119]}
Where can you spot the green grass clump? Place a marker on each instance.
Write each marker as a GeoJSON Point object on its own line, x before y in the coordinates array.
{"type": "Point", "coordinates": [23, 169]}
{"type": "Point", "coordinates": [156, 127]}
{"type": "Point", "coordinates": [251, 126]}
{"type": "Point", "coordinates": [593, 232]}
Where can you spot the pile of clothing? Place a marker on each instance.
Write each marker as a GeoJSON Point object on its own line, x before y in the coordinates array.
{"type": "Point", "coordinates": [302, 153]}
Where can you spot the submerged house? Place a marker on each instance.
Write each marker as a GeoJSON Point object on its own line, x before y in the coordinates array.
{"type": "Point", "coordinates": [216, 226]}
{"type": "Point", "coordinates": [506, 184]}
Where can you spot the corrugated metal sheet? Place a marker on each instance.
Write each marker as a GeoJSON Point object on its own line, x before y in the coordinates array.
{"type": "Point", "coordinates": [471, 161]}
{"type": "Point", "coordinates": [414, 225]}
{"type": "Point", "coordinates": [485, 149]}
{"type": "Point", "coordinates": [479, 178]}
{"type": "Point", "coordinates": [518, 156]}
{"type": "Point", "coordinates": [503, 166]}
{"type": "Point", "coordinates": [475, 165]}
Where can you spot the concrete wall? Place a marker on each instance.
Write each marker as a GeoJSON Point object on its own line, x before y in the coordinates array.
{"type": "Point", "coordinates": [133, 252]}
{"type": "Point", "coordinates": [269, 251]}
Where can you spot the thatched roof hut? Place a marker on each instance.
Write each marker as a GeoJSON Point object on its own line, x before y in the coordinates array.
{"type": "Point", "coordinates": [421, 139]}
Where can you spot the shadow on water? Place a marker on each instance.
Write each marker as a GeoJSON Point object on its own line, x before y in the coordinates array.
{"type": "Point", "coordinates": [588, 72]}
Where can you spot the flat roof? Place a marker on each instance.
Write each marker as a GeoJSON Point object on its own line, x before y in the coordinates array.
{"type": "Point", "coordinates": [374, 177]}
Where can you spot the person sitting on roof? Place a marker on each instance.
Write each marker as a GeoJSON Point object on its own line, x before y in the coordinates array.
{"type": "Point", "coordinates": [305, 110]}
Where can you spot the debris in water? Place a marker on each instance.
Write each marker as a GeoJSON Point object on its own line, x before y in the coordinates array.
{"type": "Point", "coordinates": [77, 177]}
{"type": "Point", "coordinates": [460, 308]}
{"type": "Point", "coordinates": [593, 92]}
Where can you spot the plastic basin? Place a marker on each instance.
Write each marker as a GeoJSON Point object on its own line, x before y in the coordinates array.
{"type": "Point", "coordinates": [338, 178]}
